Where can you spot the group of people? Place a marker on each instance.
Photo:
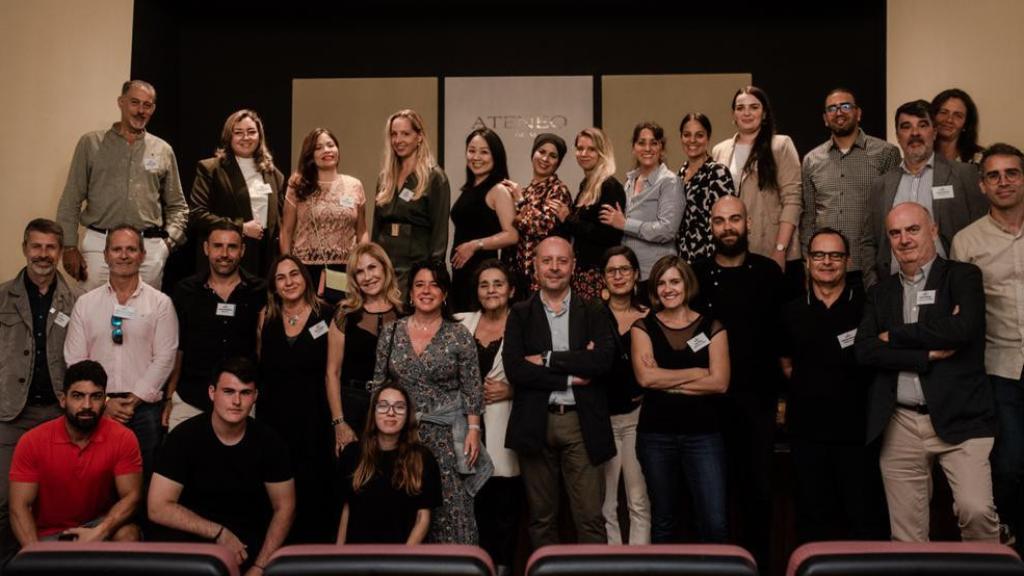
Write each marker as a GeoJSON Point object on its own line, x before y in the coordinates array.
{"type": "Point", "coordinates": [637, 333]}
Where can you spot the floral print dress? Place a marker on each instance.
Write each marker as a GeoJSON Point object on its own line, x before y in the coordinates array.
{"type": "Point", "coordinates": [711, 182]}
{"type": "Point", "coordinates": [535, 220]}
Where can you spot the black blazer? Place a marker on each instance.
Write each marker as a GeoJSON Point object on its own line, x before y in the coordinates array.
{"type": "Point", "coordinates": [527, 333]}
{"type": "Point", "coordinates": [956, 389]}
{"type": "Point", "coordinates": [219, 193]}
{"type": "Point", "coordinates": [951, 214]}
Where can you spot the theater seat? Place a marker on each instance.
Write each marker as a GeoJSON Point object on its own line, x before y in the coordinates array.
{"type": "Point", "coordinates": [380, 560]}
{"type": "Point", "coordinates": [898, 558]}
{"type": "Point", "coordinates": [653, 560]}
{"type": "Point", "coordinates": [122, 559]}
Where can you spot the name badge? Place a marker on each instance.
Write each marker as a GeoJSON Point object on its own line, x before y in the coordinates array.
{"type": "Point", "coordinates": [151, 164]}
{"type": "Point", "coordinates": [224, 309]}
{"type": "Point", "coordinates": [126, 312]}
{"type": "Point", "coordinates": [318, 329]}
{"type": "Point", "coordinates": [942, 192]}
{"type": "Point", "coordinates": [405, 194]}
{"type": "Point", "coordinates": [846, 338]}
{"type": "Point", "coordinates": [698, 342]}
{"type": "Point", "coordinates": [926, 297]}
{"type": "Point", "coordinates": [347, 202]}
{"type": "Point", "coordinates": [62, 320]}
{"type": "Point", "coordinates": [396, 228]}
{"type": "Point", "coordinates": [260, 189]}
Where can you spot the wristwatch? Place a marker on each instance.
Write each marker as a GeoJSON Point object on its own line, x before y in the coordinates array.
{"type": "Point", "coordinates": [338, 420]}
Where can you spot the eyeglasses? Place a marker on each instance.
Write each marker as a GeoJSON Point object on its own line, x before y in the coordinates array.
{"type": "Point", "coordinates": [383, 407]}
{"type": "Point", "coordinates": [618, 271]}
{"type": "Point", "coordinates": [819, 256]}
{"type": "Point", "coordinates": [1012, 176]}
{"type": "Point", "coordinates": [117, 329]}
{"type": "Point", "coordinates": [844, 106]}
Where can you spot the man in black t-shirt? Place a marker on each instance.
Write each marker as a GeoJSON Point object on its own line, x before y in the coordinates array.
{"type": "Point", "coordinates": [223, 477]}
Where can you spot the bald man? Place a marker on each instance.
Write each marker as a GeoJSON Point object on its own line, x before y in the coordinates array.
{"type": "Point", "coordinates": [924, 333]}
{"type": "Point", "coordinates": [555, 346]}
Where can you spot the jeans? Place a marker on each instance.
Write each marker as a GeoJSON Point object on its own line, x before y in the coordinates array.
{"type": "Point", "coordinates": [1008, 455]}
{"type": "Point", "coordinates": [701, 457]}
{"type": "Point", "coordinates": [145, 423]}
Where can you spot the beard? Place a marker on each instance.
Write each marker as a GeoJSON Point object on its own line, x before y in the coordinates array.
{"type": "Point", "coordinates": [83, 424]}
{"type": "Point", "coordinates": [845, 131]}
{"type": "Point", "coordinates": [735, 249]}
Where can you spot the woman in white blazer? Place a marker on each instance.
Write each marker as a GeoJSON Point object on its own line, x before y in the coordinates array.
{"type": "Point", "coordinates": [499, 502]}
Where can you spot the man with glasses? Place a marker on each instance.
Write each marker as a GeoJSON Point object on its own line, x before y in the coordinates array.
{"type": "Point", "coordinates": [124, 175]}
{"type": "Point", "coordinates": [35, 308]}
{"type": "Point", "coordinates": [836, 495]}
{"type": "Point", "coordinates": [224, 477]}
{"type": "Point", "coordinates": [995, 243]}
{"type": "Point", "coordinates": [947, 190]}
{"type": "Point", "coordinates": [837, 175]}
{"type": "Point", "coordinates": [930, 400]}
{"type": "Point", "coordinates": [130, 328]}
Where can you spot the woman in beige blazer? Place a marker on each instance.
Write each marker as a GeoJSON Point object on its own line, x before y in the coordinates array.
{"type": "Point", "coordinates": [766, 169]}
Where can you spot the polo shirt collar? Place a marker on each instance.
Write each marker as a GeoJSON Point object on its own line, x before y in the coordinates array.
{"type": "Point", "coordinates": [61, 436]}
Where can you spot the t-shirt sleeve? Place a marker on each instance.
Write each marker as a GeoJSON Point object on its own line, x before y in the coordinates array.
{"type": "Point", "coordinates": [24, 464]}
{"type": "Point", "coordinates": [716, 327]}
{"type": "Point", "coordinates": [430, 496]}
{"type": "Point", "coordinates": [173, 459]}
{"type": "Point", "coordinates": [129, 458]}
{"type": "Point", "coordinates": [641, 325]}
{"type": "Point", "coordinates": [277, 466]}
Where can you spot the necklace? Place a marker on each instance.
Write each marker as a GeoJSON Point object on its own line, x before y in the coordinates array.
{"type": "Point", "coordinates": [419, 326]}
{"type": "Point", "coordinates": [293, 319]}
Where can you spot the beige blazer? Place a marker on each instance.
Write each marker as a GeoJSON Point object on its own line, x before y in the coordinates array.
{"type": "Point", "coordinates": [506, 462]}
{"type": "Point", "coordinates": [769, 208]}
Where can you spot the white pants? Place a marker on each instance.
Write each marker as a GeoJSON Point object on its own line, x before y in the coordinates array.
{"type": "Point", "coordinates": [151, 272]}
{"type": "Point", "coordinates": [180, 411]}
{"type": "Point", "coordinates": [625, 461]}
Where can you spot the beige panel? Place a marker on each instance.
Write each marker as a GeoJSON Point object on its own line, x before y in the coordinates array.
{"type": "Point", "coordinates": [355, 110]}
{"type": "Point", "coordinates": [63, 64]}
{"type": "Point", "coordinates": [665, 99]}
{"type": "Point", "coordinates": [975, 45]}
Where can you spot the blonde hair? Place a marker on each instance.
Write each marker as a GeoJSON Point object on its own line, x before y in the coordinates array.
{"type": "Point", "coordinates": [604, 170]}
{"type": "Point", "coordinates": [263, 158]}
{"type": "Point", "coordinates": [391, 166]}
{"type": "Point", "coordinates": [354, 299]}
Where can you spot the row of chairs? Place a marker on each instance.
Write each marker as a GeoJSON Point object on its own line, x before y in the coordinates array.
{"type": "Point", "coordinates": [818, 559]}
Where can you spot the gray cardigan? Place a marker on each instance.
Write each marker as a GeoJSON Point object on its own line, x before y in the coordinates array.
{"type": "Point", "coordinates": [653, 216]}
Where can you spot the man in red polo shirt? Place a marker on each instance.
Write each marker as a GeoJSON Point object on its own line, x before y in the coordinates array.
{"type": "Point", "coordinates": [65, 472]}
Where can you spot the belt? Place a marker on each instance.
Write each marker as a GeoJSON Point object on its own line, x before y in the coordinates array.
{"type": "Point", "coordinates": [154, 232]}
{"type": "Point", "coordinates": [118, 394]}
{"type": "Point", "coordinates": [919, 408]}
{"type": "Point", "coordinates": [561, 409]}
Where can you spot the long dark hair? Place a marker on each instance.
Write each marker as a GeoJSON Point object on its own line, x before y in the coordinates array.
{"type": "Point", "coordinates": [305, 179]}
{"type": "Point", "coordinates": [761, 151]}
{"type": "Point", "coordinates": [439, 271]}
{"type": "Point", "coordinates": [967, 143]}
{"type": "Point", "coordinates": [500, 170]}
{"type": "Point", "coordinates": [274, 300]}
{"type": "Point", "coordinates": [408, 473]}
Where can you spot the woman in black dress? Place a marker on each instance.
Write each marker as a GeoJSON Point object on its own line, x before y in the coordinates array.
{"type": "Point", "coordinates": [293, 357]}
{"type": "Point", "coordinates": [389, 481]}
{"type": "Point", "coordinates": [373, 301]}
{"type": "Point", "coordinates": [482, 215]}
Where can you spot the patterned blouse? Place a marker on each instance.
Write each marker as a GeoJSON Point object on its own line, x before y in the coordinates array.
{"type": "Point", "coordinates": [325, 226]}
{"type": "Point", "coordinates": [711, 182]}
{"type": "Point", "coordinates": [536, 220]}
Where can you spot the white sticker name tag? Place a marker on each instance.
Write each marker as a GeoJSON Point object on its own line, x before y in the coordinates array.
{"type": "Point", "coordinates": [260, 189]}
{"type": "Point", "coordinates": [926, 297]}
{"type": "Point", "coordinates": [405, 194]}
{"type": "Point", "coordinates": [942, 192]}
{"type": "Point", "coordinates": [126, 312]}
{"type": "Point", "coordinates": [318, 329]}
{"type": "Point", "coordinates": [151, 164]}
{"type": "Point", "coordinates": [698, 342]}
{"type": "Point", "coordinates": [846, 338]}
{"type": "Point", "coordinates": [347, 202]}
{"type": "Point", "coordinates": [62, 320]}
{"type": "Point", "coordinates": [224, 309]}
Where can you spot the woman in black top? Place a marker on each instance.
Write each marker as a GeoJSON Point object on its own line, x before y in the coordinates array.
{"type": "Point", "coordinates": [621, 271]}
{"type": "Point", "coordinates": [482, 215]}
{"type": "Point", "coordinates": [590, 237]}
{"type": "Point", "coordinates": [372, 301]}
{"type": "Point", "coordinates": [389, 481]}
{"type": "Point", "coordinates": [682, 358]}
{"type": "Point", "coordinates": [293, 356]}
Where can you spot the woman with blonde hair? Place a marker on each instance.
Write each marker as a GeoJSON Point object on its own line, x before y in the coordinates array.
{"type": "Point", "coordinates": [591, 237]}
{"type": "Point", "coordinates": [324, 215]}
{"type": "Point", "coordinates": [373, 301]}
{"type": "Point", "coordinates": [410, 220]}
{"type": "Point", "coordinates": [239, 184]}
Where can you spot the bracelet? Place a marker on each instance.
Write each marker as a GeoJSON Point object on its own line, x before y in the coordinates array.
{"type": "Point", "coordinates": [338, 420]}
{"type": "Point", "coordinates": [474, 427]}
{"type": "Point", "coordinates": [480, 243]}
{"type": "Point", "coordinates": [219, 532]}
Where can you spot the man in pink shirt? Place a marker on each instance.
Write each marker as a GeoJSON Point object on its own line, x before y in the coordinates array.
{"type": "Point", "coordinates": [66, 472]}
{"type": "Point", "coordinates": [131, 329]}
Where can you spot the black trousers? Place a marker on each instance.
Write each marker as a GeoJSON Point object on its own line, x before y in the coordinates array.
{"type": "Point", "coordinates": [498, 508]}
